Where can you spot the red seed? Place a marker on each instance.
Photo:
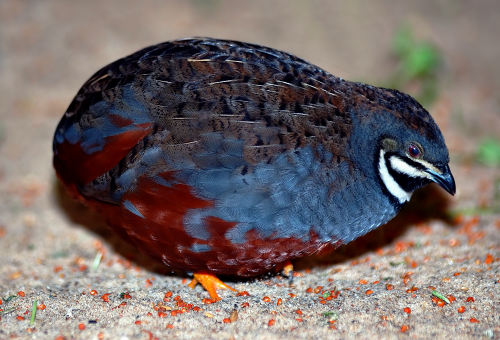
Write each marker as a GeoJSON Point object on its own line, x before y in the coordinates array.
{"type": "Point", "coordinates": [226, 320]}
{"type": "Point", "coordinates": [461, 309]}
{"type": "Point", "coordinates": [21, 293]}
{"type": "Point", "coordinates": [279, 302]}
{"type": "Point", "coordinates": [489, 259]}
{"type": "Point", "coordinates": [451, 298]}
{"type": "Point", "coordinates": [298, 311]}
{"type": "Point", "coordinates": [138, 322]}
{"type": "Point", "coordinates": [271, 322]}
{"type": "Point", "coordinates": [266, 299]}
{"type": "Point", "coordinates": [20, 318]}
{"type": "Point", "coordinates": [168, 294]}
{"type": "Point", "coordinates": [161, 314]}
{"type": "Point", "coordinates": [369, 292]}
{"type": "Point", "coordinates": [243, 293]}
{"type": "Point", "coordinates": [404, 328]}
{"type": "Point", "coordinates": [105, 297]}
{"type": "Point", "coordinates": [292, 295]}
{"type": "Point", "coordinates": [169, 325]}
{"type": "Point", "coordinates": [93, 292]}
{"type": "Point", "coordinates": [245, 304]}
{"type": "Point", "coordinates": [470, 299]}
{"type": "Point", "coordinates": [389, 286]}
{"type": "Point", "coordinates": [474, 320]}
{"type": "Point", "coordinates": [40, 306]}
{"type": "Point", "coordinates": [81, 326]}
{"type": "Point", "coordinates": [362, 282]}
{"type": "Point", "coordinates": [407, 310]}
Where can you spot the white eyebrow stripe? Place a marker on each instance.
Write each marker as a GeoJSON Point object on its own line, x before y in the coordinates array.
{"type": "Point", "coordinates": [401, 166]}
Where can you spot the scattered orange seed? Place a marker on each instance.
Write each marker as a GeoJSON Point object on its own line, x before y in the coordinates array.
{"type": "Point", "coordinates": [461, 309]}
{"type": "Point", "coordinates": [57, 269]}
{"type": "Point", "coordinates": [81, 326]}
{"type": "Point", "coordinates": [489, 259]}
{"type": "Point", "coordinates": [226, 320]}
{"type": "Point", "coordinates": [243, 293]}
{"type": "Point", "coordinates": [470, 299]}
{"type": "Point", "coordinates": [21, 293]}
{"type": "Point", "coordinates": [279, 302]}
{"type": "Point", "coordinates": [271, 322]}
{"type": "Point", "coordinates": [474, 320]}
{"type": "Point", "coordinates": [148, 283]}
{"type": "Point", "coordinates": [389, 286]}
{"type": "Point", "coordinates": [298, 311]}
{"type": "Point", "coordinates": [40, 306]}
{"type": "Point", "coordinates": [318, 289]}
{"type": "Point", "coordinates": [451, 298]}
{"type": "Point", "coordinates": [456, 274]}
{"type": "Point", "coordinates": [20, 318]}
{"type": "Point", "coordinates": [245, 304]}
{"type": "Point", "coordinates": [299, 319]}
{"type": "Point", "coordinates": [93, 292]}
{"type": "Point", "coordinates": [309, 290]}
{"type": "Point", "coordinates": [441, 303]}
{"type": "Point", "coordinates": [105, 297]}
{"type": "Point", "coordinates": [292, 295]}
{"type": "Point", "coordinates": [169, 325]}
{"type": "Point", "coordinates": [369, 292]}
{"type": "Point", "coordinates": [266, 299]}
{"type": "Point", "coordinates": [60, 337]}
{"type": "Point", "coordinates": [168, 294]}
{"type": "Point", "coordinates": [404, 328]}
{"type": "Point", "coordinates": [161, 314]}
{"type": "Point", "coordinates": [138, 322]}
{"type": "Point", "coordinates": [384, 317]}
{"type": "Point", "coordinates": [407, 310]}
{"type": "Point", "coordinates": [363, 282]}
{"type": "Point", "coordinates": [376, 282]}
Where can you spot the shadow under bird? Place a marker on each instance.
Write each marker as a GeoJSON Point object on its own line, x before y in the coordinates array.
{"type": "Point", "coordinates": [220, 157]}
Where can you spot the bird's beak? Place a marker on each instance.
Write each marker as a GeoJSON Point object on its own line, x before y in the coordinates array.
{"type": "Point", "coordinates": [444, 179]}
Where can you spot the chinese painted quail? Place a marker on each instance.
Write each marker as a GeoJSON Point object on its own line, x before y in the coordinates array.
{"type": "Point", "coordinates": [226, 158]}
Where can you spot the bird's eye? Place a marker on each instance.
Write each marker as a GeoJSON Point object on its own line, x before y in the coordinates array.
{"type": "Point", "coordinates": [414, 151]}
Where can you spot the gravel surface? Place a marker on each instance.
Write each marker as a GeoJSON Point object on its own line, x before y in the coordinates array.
{"type": "Point", "coordinates": [380, 286]}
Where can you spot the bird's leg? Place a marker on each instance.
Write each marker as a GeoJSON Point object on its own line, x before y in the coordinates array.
{"type": "Point", "coordinates": [211, 283]}
{"type": "Point", "coordinates": [288, 272]}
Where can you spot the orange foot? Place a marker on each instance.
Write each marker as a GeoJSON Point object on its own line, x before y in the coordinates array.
{"type": "Point", "coordinates": [288, 269]}
{"type": "Point", "coordinates": [211, 283]}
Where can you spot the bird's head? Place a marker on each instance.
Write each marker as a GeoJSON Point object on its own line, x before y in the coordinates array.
{"type": "Point", "coordinates": [408, 147]}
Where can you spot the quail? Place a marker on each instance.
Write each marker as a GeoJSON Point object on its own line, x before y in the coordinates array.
{"type": "Point", "coordinates": [219, 157]}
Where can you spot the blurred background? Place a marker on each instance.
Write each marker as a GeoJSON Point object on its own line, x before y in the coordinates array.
{"type": "Point", "coordinates": [444, 52]}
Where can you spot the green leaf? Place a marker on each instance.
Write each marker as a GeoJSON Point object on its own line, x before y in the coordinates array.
{"type": "Point", "coordinates": [488, 152]}
{"type": "Point", "coordinates": [422, 60]}
{"type": "Point", "coordinates": [440, 296]}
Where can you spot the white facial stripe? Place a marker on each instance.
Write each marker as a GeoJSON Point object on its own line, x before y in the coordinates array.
{"type": "Point", "coordinates": [428, 165]}
{"type": "Point", "coordinates": [392, 186]}
{"type": "Point", "coordinates": [401, 166]}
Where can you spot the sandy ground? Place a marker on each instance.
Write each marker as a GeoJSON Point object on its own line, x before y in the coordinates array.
{"type": "Point", "coordinates": [377, 287]}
